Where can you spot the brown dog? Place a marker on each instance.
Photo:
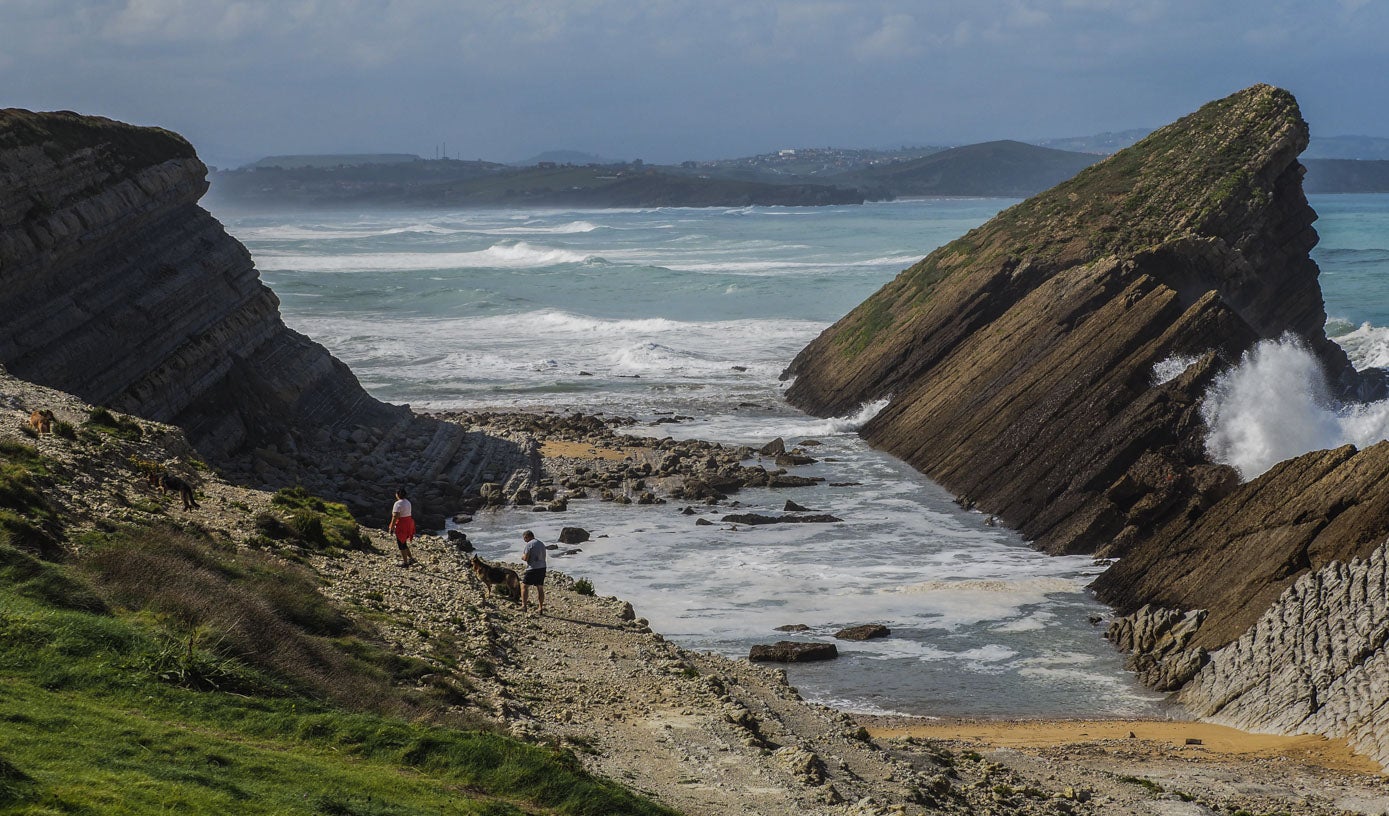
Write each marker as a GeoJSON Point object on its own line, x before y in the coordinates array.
{"type": "Point", "coordinates": [492, 575]}
{"type": "Point", "coordinates": [168, 482]}
{"type": "Point", "coordinates": [41, 421]}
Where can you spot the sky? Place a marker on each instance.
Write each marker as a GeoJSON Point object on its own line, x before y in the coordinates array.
{"type": "Point", "coordinates": [670, 80]}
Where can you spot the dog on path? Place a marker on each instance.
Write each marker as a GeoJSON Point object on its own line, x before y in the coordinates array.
{"type": "Point", "coordinates": [492, 575]}
{"type": "Point", "coordinates": [168, 482]}
{"type": "Point", "coordinates": [41, 421]}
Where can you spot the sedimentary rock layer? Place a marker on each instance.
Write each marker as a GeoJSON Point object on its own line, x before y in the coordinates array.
{"type": "Point", "coordinates": [1022, 365]}
{"type": "Point", "coordinates": [1020, 358]}
{"type": "Point", "coordinates": [1316, 662]}
{"type": "Point", "coordinates": [117, 287]}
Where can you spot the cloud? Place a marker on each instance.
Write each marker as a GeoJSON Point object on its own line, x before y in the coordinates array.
{"type": "Point", "coordinates": [896, 37]}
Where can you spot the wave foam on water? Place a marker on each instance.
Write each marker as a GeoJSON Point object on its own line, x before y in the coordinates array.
{"type": "Point", "coordinates": [517, 255]}
{"type": "Point", "coordinates": [1274, 405]}
{"type": "Point", "coordinates": [572, 228]}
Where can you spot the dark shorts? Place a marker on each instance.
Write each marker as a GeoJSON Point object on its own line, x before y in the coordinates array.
{"type": "Point", "coordinates": [535, 577]}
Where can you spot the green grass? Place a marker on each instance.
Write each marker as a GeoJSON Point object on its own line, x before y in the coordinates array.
{"type": "Point", "coordinates": [91, 723]}
{"type": "Point", "coordinates": [100, 419]}
{"type": "Point", "coordinates": [162, 672]}
{"type": "Point", "coordinates": [311, 522]}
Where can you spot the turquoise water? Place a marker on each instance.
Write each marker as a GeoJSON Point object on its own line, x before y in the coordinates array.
{"type": "Point", "coordinates": [648, 312]}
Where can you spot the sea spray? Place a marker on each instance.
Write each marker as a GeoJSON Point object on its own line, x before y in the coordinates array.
{"type": "Point", "coordinates": [1274, 405]}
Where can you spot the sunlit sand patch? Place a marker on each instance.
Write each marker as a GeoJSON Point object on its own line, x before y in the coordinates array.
{"type": "Point", "coordinates": [1166, 735]}
{"type": "Point", "coordinates": [583, 450]}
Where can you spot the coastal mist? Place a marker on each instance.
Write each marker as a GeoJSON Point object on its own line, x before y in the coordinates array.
{"type": "Point", "coordinates": [684, 319]}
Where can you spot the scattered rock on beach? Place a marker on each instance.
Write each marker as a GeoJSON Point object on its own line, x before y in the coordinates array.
{"type": "Point", "coordinates": [867, 631]}
{"type": "Point", "coordinates": [792, 651]}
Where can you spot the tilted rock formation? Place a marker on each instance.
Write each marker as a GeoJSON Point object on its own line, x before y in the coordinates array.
{"type": "Point", "coordinates": [1316, 662]}
{"type": "Point", "coordinates": [1019, 358]}
{"type": "Point", "coordinates": [1020, 365]}
{"type": "Point", "coordinates": [119, 288]}
{"type": "Point", "coordinates": [1239, 555]}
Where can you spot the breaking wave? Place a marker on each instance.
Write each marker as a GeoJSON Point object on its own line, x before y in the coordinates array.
{"type": "Point", "coordinates": [518, 255]}
{"type": "Point", "coordinates": [1274, 405]}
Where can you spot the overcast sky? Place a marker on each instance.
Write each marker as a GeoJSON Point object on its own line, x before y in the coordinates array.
{"type": "Point", "coordinates": [666, 80]}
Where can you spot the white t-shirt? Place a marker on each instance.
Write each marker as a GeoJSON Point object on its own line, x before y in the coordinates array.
{"type": "Point", "coordinates": [401, 508]}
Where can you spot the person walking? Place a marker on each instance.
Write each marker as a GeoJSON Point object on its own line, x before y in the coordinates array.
{"type": "Point", "coordinates": [533, 553]}
{"type": "Point", "coordinates": [403, 525]}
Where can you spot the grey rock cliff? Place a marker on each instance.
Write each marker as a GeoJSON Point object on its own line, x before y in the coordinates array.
{"type": "Point", "coordinates": [117, 287]}
{"type": "Point", "coordinates": [1317, 662]}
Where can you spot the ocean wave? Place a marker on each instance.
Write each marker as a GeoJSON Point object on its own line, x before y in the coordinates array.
{"type": "Point", "coordinates": [774, 266]}
{"type": "Point", "coordinates": [1366, 345]}
{"type": "Point", "coordinates": [1274, 405]}
{"type": "Point", "coordinates": [834, 426]}
{"type": "Point", "coordinates": [572, 228]}
{"type": "Point", "coordinates": [517, 255]}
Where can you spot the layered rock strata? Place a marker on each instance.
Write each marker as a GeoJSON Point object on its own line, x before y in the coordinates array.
{"type": "Point", "coordinates": [1020, 358]}
{"type": "Point", "coordinates": [1316, 662]}
{"type": "Point", "coordinates": [1032, 368]}
{"type": "Point", "coordinates": [119, 288]}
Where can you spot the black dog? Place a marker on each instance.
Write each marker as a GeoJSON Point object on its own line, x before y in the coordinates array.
{"type": "Point", "coordinates": [168, 482]}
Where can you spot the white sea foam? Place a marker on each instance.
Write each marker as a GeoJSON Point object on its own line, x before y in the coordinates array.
{"type": "Point", "coordinates": [1366, 345]}
{"type": "Point", "coordinates": [1172, 367]}
{"type": "Point", "coordinates": [517, 255]}
{"type": "Point", "coordinates": [1274, 405]}
{"type": "Point", "coordinates": [779, 266]}
{"type": "Point", "coordinates": [572, 228]}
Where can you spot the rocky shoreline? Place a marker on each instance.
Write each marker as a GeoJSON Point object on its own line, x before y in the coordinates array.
{"type": "Point", "coordinates": [699, 732]}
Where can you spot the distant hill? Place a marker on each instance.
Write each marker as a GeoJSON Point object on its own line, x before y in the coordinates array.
{"type": "Point", "coordinates": [1102, 143]}
{"type": "Point", "coordinates": [1346, 176]}
{"type": "Point", "coordinates": [1004, 168]}
{"type": "Point", "coordinates": [1347, 147]}
{"type": "Point", "coordinates": [565, 157]}
{"type": "Point", "coordinates": [451, 183]}
{"type": "Point", "coordinates": [333, 160]}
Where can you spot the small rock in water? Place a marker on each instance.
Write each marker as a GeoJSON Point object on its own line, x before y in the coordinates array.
{"type": "Point", "coordinates": [774, 448]}
{"type": "Point", "coordinates": [793, 627]}
{"type": "Point", "coordinates": [867, 631]}
{"type": "Point", "coordinates": [790, 651]}
{"type": "Point", "coordinates": [573, 535]}
{"type": "Point", "coordinates": [792, 507]}
{"type": "Point", "coordinates": [703, 522]}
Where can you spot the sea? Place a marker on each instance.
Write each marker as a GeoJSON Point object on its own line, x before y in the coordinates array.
{"type": "Point", "coordinates": [669, 313]}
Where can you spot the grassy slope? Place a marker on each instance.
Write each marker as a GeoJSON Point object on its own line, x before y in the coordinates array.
{"type": "Point", "coordinates": [121, 693]}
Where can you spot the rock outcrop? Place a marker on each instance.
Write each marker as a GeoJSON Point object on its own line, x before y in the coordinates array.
{"type": "Point", "coordinates": [1316, 662]}
{"type": "Point", "coordinates": [1019, 359]}
{"type": "Point", "coordinates": [1022, 365]}
{"type": "Point", "coordinates": [119, 288]}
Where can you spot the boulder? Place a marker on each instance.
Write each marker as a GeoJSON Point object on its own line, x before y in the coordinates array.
{"type": "Point", "coordinates": [792, 651]}
{"type": "Point", "coordinates": [573, 535]}
{"type": "Point", "coordinates": [867, 631]}
{"type": "Point", "coordinates": [774, 448]}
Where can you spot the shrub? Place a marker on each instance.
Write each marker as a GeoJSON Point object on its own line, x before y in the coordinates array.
{"type": "Point", "coordinates": [246, 607]}
{"type": "Point", "coordinates": [122, 427]}
{"type": "Point", "coordinates": [583, 586]}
